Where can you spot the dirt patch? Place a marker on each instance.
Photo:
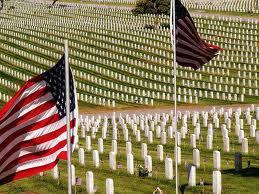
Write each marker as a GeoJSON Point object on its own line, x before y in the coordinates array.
{"type": "Point", "coordinates": [159, 109]}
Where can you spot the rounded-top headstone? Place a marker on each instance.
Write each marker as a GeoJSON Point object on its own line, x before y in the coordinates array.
{"type": "Point", "coordinates": [216, 160]}
{"type": "Point", "coordinates": [216, 184]}
{"type": "Point", "coordinates": [169, 168]}
{"type": "Point", "coordinates": [196, 157]}
{"type": "Point", "coordinates": [90, 182]}
{"type": "Point", "coordinates": [130, 164]}
{"type": "Point", "coordinates": [109, 186]}
{"type": "Point", "coordinates": [160, 153]}
{"type": "Point", "coordinates": [192, 176]}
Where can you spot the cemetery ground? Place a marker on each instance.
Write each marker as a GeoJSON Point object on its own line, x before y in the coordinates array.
{"type": "Point", "coordinates": [127, 5]}
{"type": "Point", "coordinates": [94, 110]}
{"type": "Point", "coordinates": [126, 183]}
{"type": "Point", "coordinates": [133, 62]}
{"type": "Point", "coordinates": [117, 65]}
{"type": "Point", "coordinates": [99, 3]}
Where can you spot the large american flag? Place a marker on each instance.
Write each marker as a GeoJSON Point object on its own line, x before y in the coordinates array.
{"type": "Point", "coordinates": [191, 50]}
{"type": "Point", "coordinates": [33, 125]}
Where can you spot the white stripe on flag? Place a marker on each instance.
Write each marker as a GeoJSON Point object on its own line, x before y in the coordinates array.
{"type": "Point", "coordinates": [27, 108]}
{"type": "Point", "coordinates": [41, 161]}
{"type": "Point", "coordinates": [27, 92]}
{"type": "Point", "coordinates": [40, 147]}
{"type": "Point", "coordinates": [37, 118]}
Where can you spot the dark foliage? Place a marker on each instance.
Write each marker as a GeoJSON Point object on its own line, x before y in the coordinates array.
{"type": "Point", "coordinates": [157, 7]}
{"type": "Point", "coordinates": [1, 4]}
{"type": "Point", "coordinates": [148, 26]}
{"type": "Point", "coordinates": [165, 25]}
{"type": "Point", "coordinates": [54, 2]}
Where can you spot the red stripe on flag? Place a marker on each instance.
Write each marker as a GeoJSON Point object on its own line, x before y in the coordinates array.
{"type": "Point", "coordinates": [35, 155]}
{"type": "Point", "coordinates": [42, 108]}
{"type": "Point", "coordinates": [38, 140]}
{"type": "Point", "coordinates": [28, 173]}
{"type": "Point", "coordinates": [25, 101]}
{"type": "Point", "coordinates": [32, 127]}
{"type": "Point", "coordinates": [9, 104]}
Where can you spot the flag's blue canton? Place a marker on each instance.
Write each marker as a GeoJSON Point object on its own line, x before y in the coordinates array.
{"type": "Point", "coordinates": [180, 11]}
{"type": "Point", "coordinates": [55, 81]}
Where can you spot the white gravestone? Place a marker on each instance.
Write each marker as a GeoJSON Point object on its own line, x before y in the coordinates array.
{"type": "Point", "coordinates": [109, 186]}
{"type": "Point", "coordinates": [96, 158]}
{"type": "Point", "coordinates": [130, 164]}
{"type": "Point", "coordinates": [128, 148]}
{"type": "Point", "coordinates": [114, 146]}
{"type": "Point", "coordinates": [216, 160]}
{"type": "Point", "coordinates": [81, 158]}
{"type": "Point", "coordinates": [88, 143]}
{"type": "Point", "coordinates": [196, 157]}
{"type": "Point", "coordinates": [100, 145]}
{"type": "Point", "coordinates": [55, 173]}
{"type": "Point", "coordinates": [89, 182]}
{"type": "Point", "coordinates": [148, 164]}
{"type": "Point", "coordinates": [143, 150]}
{"type": "Point", "coordinates": [245, 145]}
{"type": "Point", "coordinates": [226, 144]}
{"type": "Point", "coordinates": [216, 184]}
{"type": "Point", "coordinates": [112, 160]}
{"type": "Point", "coordinates": [169, 168]}
{"type": "Point", "coordinates": [192, 176]}
{"type": "Point", "coordinates": [193, 141]}
{"type": "Point", "coordinates": [160, 153]}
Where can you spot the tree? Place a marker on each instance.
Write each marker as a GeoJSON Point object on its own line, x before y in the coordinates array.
{"type": "Point", "coordinates": [2, 4]}
{"type": "Point", "coordinates": [156, 7]}
{"type": "Point", "coordinates": [54, 2]}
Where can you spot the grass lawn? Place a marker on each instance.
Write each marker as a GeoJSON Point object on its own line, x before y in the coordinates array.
{"type": "Point", "coordinates": [124, 183]}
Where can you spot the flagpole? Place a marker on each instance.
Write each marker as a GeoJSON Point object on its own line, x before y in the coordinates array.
{"type": "Point", "coordinates": [173, 41]}
{"type": "Point", "coordinates": [69, 172]}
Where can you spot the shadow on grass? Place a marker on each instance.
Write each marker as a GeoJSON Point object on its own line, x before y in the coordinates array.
{"type": "Point", "coordinates": [246, 172]}
{"type": "Point", "coordinates": [185, 186]}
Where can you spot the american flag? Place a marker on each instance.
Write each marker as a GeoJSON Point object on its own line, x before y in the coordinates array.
{"type": "Point", "coordinates": [191, 50]}
{"type": "Point", "coordinates": [33, 125]}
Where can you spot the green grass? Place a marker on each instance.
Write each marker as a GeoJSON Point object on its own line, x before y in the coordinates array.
{"type": "Point", "coordinates": [125, 183]}
{"type": "Point", "coordinates": [226, 13]}
{"type": "Point", "coordinates": [251, 100]}
{"type": "Point", "coordinates": [91, 2]}
{"type": "Point", "coordinates": [100, 64]}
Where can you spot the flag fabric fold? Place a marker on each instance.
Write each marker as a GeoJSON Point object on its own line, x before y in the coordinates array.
{"type": "Point", "coordinates": [33, 125]}
{"type": "Point", "coordinates": [191, 50]}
